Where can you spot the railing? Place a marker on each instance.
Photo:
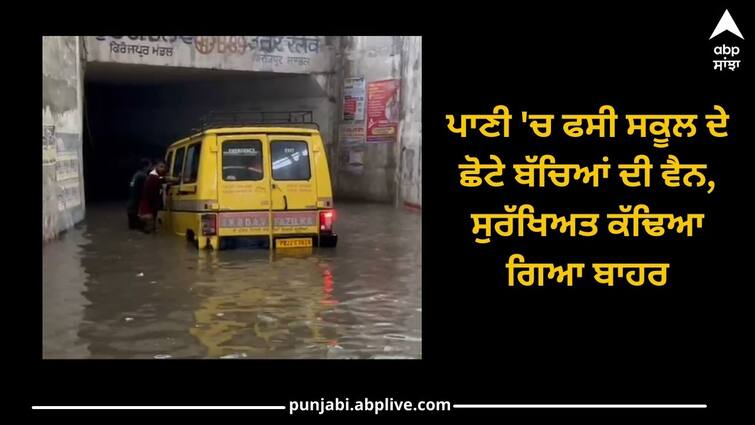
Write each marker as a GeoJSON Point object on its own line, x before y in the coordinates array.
{"type": "Point", "coordinates": [216, 119]}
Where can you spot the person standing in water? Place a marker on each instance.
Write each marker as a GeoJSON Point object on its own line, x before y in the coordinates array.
{"type": "Point", "coordinates": [152, 196]}
{"type": "Point", "coordinates": [135, 193]}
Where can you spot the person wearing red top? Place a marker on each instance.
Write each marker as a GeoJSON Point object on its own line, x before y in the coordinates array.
{"type": "Point", "coordinates": [151, 196]}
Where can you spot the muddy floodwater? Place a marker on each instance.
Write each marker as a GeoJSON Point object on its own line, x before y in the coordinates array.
{"type": "Point", "coordinates": [110, 292]}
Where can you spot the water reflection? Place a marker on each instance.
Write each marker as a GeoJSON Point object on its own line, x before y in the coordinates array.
{"type": "Point", "coordinates": [155, 296]}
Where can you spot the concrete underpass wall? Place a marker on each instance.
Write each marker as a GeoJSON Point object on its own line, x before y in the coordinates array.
{"type": "Point", "coordinates": [164, 102]}
{"type": "Point", "coordinates": [62, 167]}
{"type": "Point", "coordinates": [130, 121]}
{"type": "Point", "coordinates": [386, 171]}
{"type": "Point", "coordinates": [375, 59]}
{"type": "Point", "coordinates": [390, 171]}
{"type": "Point", "coordinates": [302, 69]}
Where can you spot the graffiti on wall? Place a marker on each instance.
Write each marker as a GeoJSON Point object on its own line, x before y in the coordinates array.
{"type": "Point", "coordinates": [292, 50]}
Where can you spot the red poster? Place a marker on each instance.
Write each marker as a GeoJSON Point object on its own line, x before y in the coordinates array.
{"type": "Point", "coordinates": [382, 111]}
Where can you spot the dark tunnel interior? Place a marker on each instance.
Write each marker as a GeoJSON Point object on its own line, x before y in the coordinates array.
{"type": "Point", "coordinates": [133, 112]}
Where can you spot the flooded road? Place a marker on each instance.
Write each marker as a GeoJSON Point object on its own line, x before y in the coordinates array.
{"type": "Point", "coordinates": [114, 293]}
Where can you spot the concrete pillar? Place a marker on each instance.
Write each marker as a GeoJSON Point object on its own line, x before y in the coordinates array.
{"type": "Point", "coordinates": [410, 127]}
{"type": "Point", "coordinates": [62, 165]}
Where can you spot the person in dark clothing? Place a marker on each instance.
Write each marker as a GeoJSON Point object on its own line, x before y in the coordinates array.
{"type": "Point", "coordinates": [151, 200]}
{"type": "Point", "coordinates": [135, 193]}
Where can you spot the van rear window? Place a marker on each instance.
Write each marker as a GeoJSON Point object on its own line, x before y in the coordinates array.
{"type": "Point", "coordinates": [179, 162]}
{"type": "Point", "coordinates": [169, 160]}
{"type": "Point", "coordinates": [192, 163]}
{"type": "Point", "coordinates": [242, 160]}
{"type": "Point", "coordinates": [290, 160]}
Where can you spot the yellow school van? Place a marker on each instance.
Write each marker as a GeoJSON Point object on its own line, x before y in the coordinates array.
{"type": "Point", "coordinates": [248, 177]}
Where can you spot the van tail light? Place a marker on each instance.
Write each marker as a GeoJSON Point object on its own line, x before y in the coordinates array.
{"type": "Point", "coordinates": [209, 224]}
{"type": "Point", "coordinates": [327, 217]}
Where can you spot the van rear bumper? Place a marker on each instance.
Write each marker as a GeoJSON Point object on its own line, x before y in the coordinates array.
{"type": "Point", "coordinates": [260, 241]}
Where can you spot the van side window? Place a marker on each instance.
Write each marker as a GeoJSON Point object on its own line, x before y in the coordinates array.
{"type": "Point", "coordinates": [169, 160]}
{"type": "Point", "coordinates": [192, 163]}
{"type": "Point", "coordinates": [242, 160]}
{"type": "Point", "coordinates": [179, 162]}
{"type": "Point", "coordinates": [290, 160]}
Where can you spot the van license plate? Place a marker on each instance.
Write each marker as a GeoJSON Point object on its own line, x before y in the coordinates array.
{"type": "Point", "coordinates": [293, 243]}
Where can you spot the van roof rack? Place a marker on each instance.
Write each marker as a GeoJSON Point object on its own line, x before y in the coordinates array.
{"type": "Point", "coordinates": [215, 119]}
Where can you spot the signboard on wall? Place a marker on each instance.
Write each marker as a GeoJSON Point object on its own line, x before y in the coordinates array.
{"type": "Point", "coordinates": [351, 134]}
{"type": "Point", "coordinates": [353, 99]}
{"type": "Point", "coordinates": [382, 111]}
{"type": "Point", "coordinates": [289, 54]}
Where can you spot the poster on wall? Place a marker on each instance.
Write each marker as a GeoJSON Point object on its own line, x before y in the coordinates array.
{"type": "Point", "coordinates": [382, 111]}
{"type": "Point", "coordinates": [351, 134]}
{"type": "Point", "coordinates": [70, 194]}
{"type": "Point", "coordinates": [353, 99]}
{"type": "Point", "coordinates": [67, 165]}
{"type": "Point", "coordinates": [67, 177]}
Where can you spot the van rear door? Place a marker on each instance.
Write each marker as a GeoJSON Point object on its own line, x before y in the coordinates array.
{"type": "Point", "coordinates": [293, 186]}
{"type": "Point", "coordinates": [243, 185]}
